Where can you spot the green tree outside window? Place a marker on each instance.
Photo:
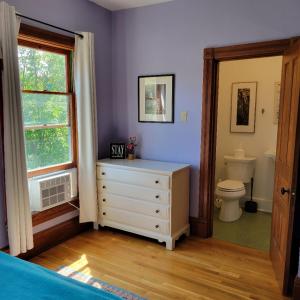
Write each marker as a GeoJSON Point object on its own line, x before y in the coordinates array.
{"type": "Point", "coordinates": [46, 107]}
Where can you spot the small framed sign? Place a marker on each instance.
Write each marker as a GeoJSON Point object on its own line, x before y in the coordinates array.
{"type": "Point", "coordinates": [117, 151]}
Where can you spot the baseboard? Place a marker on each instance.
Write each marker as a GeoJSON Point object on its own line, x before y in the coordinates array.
{"type": "Point", "coordinates": [55, 235]}
{"type": "Point", "coordinates": [263, 204]}
{"type": "Point", "coordinates": [5, 249]}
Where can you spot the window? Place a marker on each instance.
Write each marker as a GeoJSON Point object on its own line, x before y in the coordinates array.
{"type": "Point", "coordinates": [48, 107]}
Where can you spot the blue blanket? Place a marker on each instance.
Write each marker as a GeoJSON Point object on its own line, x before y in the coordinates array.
{"type": "Point", "coordinates": [21, 280]}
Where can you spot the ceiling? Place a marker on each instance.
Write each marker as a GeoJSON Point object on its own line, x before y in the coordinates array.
{"type": "Point", "coordinates": [124, 4]}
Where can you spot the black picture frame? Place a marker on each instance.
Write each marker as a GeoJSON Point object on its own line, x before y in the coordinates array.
{"type": "Point", "coordinates": [172, 100]}
{"type": "Point", "coordinates": [236, 125]}
{"type": "Point", "coordinates": [117, 151]}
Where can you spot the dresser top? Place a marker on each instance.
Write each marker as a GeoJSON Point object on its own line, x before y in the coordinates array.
{"type": "Point", "coordinates": [142, 164]}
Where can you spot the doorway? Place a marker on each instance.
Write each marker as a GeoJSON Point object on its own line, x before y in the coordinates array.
{"type": "Point", "coordinates": [248, 94]}
{"type": "Point", "coordinates": [287, 149]}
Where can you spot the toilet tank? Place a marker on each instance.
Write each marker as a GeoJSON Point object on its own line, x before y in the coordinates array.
{"type": "Point", "coordinates": [240, 168]}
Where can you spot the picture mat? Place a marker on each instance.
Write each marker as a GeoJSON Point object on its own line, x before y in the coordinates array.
{"type": "Point", "coordinates": [164, 80]}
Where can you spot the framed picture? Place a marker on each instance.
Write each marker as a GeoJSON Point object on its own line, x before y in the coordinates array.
{"type": "Point", "coordinates": [243, 107]}
{"type": "Point", "coordinates": [156, 98]}
{"type": "Point", "coordinates": [117, 151]}
{"type": "Point", "coordinates": [276, 102]}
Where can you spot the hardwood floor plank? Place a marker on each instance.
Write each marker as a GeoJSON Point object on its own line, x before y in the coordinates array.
{"type": "Point", "coordinates": [197, 269]}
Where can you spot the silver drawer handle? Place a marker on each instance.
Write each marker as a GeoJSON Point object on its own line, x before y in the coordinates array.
{"type": "Point", "coordinates": [156, 226]}
{"type": "Point", "coordinates": [157, 211]}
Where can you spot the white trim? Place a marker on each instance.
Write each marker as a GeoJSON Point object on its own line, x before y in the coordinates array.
{"type": "Point", "coordinates": [264, 205]}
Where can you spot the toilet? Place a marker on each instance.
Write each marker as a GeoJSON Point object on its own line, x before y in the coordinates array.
{"type": "Point", "coordinates": [239, 170]}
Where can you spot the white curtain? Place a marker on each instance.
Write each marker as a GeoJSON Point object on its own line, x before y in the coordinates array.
{"type": "Point", "coordinates": [85, 89]}
{"type": "Point", "coordinates": [17, 198]}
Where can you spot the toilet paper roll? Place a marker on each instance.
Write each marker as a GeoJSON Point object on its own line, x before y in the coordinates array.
{"type": "Point", "coordinates": [239, 153]}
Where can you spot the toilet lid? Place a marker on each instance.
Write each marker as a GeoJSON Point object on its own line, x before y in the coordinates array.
{"type": "Point", "coordinates": [230, 185]}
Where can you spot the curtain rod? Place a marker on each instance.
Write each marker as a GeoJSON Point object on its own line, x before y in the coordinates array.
{"type": "Point", "coordinates": [47, 24]}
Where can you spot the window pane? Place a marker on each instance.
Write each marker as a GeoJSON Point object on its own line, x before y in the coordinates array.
{"type": "Point", "coordinates": [42, 70]}
{"type": "Point", "coordinates": [40, 109]}
{"type": "Point", "coordinates": [47, 147]}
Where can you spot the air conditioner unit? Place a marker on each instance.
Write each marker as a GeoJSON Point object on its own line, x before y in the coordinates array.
{"type": "Point", "coordinates": [49, 191]}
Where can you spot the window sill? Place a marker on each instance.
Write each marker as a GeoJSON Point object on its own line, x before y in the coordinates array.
{"type": "Point", "coordinates": [52, 169]}
{"type": "Point", "coordinates": [54, 212]}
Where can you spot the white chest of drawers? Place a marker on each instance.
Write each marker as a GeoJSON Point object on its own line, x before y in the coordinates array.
{"type": "Point", "coordinates": [148, 198]}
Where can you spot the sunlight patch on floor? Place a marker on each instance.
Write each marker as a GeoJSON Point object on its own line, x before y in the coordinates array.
{"type": "Point", "coordinates": [79, 265]}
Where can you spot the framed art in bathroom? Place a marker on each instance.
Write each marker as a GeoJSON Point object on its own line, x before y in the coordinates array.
{"type": "Point", "coordinates": [156, 98]}
{"type": "Point", "coordinates": [243, 107]}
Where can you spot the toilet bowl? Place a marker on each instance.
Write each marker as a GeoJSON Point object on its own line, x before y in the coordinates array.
{"type": "Point", "coordinates": [230, 191]}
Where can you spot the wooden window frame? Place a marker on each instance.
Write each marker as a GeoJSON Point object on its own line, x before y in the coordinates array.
{"type": "Point", "coordinates": [41, 39]}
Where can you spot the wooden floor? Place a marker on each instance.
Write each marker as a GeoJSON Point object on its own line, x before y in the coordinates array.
{"type": "Point", "coordinates": [197, 269]}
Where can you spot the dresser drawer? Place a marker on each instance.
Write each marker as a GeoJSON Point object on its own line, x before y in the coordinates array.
{"type": "Point", "coordinates": [146, 208]}
{"type": "Point", "coordinates": [132, 191]}
{"type": "Point", "coordinates": [135, 220]}
{"type": "Point", "coordinates": [133, 177]}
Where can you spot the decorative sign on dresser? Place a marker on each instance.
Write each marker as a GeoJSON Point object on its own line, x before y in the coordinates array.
{"type": "Point", "coordinates": [117, 151]}
{"type": "Point", "coordinates": [145, 197]}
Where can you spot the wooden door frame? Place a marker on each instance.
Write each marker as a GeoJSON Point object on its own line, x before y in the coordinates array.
{"type": "Point", "coordinates": [203, 224]}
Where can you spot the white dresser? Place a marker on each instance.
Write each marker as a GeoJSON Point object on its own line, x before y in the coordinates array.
{"type": "Point", "coordinates": [145, 197]}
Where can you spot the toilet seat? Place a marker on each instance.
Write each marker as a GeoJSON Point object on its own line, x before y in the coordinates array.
{"type": "Point", "coordinates": [230, 186]}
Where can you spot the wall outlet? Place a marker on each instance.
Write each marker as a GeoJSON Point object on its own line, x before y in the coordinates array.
{"type": "Point", "coordinates": [183, 116]}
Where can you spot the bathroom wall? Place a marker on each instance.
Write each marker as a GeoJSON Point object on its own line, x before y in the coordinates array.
{"type": "Point", "coordinates": [265, 71]}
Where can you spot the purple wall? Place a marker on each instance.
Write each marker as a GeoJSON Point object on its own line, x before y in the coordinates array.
{"type": "Point", "coordinates": [79, 15]}
{"type": "Point", "coordinates": [170, 38]}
